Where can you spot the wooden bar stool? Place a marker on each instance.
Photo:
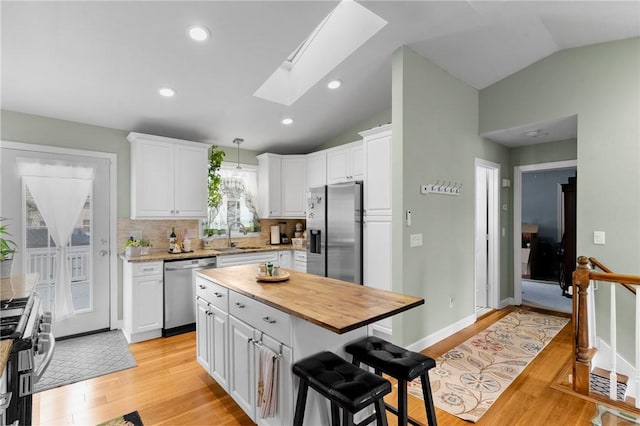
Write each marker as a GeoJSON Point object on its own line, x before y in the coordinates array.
{"type": "Point", "coordinates": [401, 364]}
{"type": "Point", "coordinates": [345, 385]}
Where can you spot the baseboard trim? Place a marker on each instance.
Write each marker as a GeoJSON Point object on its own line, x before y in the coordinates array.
{"type": "Point", "coordinates": [442, 334]}
{"type": "Point", "coordinates": [506, 302]}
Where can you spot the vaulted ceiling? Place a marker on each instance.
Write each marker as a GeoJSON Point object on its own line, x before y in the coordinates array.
{"type": "Point", "coordinates": [102, 63]}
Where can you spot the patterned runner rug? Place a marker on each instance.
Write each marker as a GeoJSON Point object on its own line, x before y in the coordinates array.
{"type": "Point", "coordinates": [468, 379]}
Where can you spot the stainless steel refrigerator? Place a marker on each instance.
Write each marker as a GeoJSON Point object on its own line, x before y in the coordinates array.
{"type": "Point", "coordinates": [334, 231]}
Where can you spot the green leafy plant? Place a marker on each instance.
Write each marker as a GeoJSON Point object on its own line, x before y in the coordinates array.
{"type": "Point", "coordinates": [132, 243]}
{"type": "Point", "coordinates": [144, 243]}
{"type": "Point", "coordinates": [216, 157]}
{"type": "Point", "coordinates": [7, 247]}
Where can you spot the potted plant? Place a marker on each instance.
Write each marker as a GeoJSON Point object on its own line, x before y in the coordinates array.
{"type": "Point", "coordinates": [132, 247]}
{"type": "Point", "coordinates": [7, 249]}
{"type": "Point", "coordinates": [145, 246]}
{"type": "Point", "coordinates": [213, 191]}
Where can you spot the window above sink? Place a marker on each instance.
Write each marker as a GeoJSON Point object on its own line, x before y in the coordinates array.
{"type": "Point", "coordinates": [239, 203]}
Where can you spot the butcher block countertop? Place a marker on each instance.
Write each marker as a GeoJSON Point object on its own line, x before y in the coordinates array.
{"type": "Point", "coordinates": [5, 350]}
{"type": "Point", "coordinates": [338, 306]}
{"type": "Point", "coordinates": [17, 286]}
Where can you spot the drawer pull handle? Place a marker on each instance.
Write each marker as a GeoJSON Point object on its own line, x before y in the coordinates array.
{"type": "Point", "coordinates": [268, 320]}
{"type": "Point", "coordinates": [202, 286]}
{"type": "Point", "coordinates": [216, 294]}
{"type": "Point", "coordinates": [240, 305]}
{"type": "Point", "coordinates": [151, 268]}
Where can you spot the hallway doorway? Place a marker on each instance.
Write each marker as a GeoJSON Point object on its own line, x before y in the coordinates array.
{"type": "Point", "coordinates": [487, 239]}
{"type": "Point", "coordinates": [522, 266]}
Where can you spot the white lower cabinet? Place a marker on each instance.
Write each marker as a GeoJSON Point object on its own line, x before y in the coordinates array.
{"type": "Point", "coordinates": [211, 341]}
{"type": "Point", "coordinates": [228, 347]}
{"type": "Point", "coordinates": [242, 386]}
{"type": "Point", "coordinates": [284, 259]}
{"type": "Point", "coordinates": [300, 261]}
{"type": "Point", "coordinates": [142, 297]}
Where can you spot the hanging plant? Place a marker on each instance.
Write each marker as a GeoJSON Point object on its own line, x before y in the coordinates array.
{"type": "Point", "coordinates": [214, 183]}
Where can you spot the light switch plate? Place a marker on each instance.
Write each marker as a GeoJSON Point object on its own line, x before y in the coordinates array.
{"type": "Point", "coordinates": [415, 240]}
{"type": "Point", "coordinates": [598, 237]}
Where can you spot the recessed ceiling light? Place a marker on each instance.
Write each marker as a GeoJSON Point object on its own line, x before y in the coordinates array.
{"type": "Point", "coordinates": [167, 92]}
{"type": "Point", "coordinates": [198, 32]}
{"type": "Point", "coordinates": [334, 84]}
{"type": "Point", "coordinates": [287, 121]}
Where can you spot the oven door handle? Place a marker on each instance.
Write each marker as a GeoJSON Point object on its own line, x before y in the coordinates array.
{"type": "Point", "coordinates": [47, 359]}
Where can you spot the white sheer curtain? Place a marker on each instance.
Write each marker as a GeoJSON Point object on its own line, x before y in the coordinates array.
{"type": "Point", "coordinates": [60, 193]}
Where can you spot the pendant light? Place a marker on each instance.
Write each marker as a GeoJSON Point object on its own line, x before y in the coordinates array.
{"type": "Point", "coordinates": [238, 141]}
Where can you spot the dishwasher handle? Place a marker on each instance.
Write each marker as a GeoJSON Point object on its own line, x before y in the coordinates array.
{"type": "Point", "coordinates": [191, 266]}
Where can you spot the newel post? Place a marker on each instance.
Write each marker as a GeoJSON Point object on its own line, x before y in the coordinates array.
{"type": "Point", "coordinates": [582, 364]}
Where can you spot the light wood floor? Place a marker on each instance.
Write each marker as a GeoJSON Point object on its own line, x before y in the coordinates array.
{"type": "Point", "coordinates": [169, 387]}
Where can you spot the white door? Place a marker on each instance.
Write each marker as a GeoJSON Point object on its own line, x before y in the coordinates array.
{"type": "Point", "coordinates": [88, 253]}
{"type": "Point", "coordinates": [487, 259]}
{"type": "Point", "coordinates": [481, 240]}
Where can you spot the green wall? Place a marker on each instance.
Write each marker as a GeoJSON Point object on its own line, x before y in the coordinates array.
{"type": "Point", "coordinates": [435, 137]}
{"type": "Point", "coordinates": [543, 153]}
{"type": "Point", "coordinates": [601, 84]}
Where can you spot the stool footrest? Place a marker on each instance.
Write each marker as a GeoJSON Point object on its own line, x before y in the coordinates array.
{"type": "Point", "coordinates": [394, 410]}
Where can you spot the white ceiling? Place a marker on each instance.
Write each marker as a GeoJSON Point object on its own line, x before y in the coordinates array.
{"type": "Point", "coordinates": [101, 63]}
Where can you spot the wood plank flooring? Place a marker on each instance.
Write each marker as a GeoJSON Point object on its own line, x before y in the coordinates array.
{"type": "Point", "coordinates": [168, 387]}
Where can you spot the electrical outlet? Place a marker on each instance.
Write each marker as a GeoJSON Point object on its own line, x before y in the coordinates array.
{"type": "Point", "coordinates": [415, 240]}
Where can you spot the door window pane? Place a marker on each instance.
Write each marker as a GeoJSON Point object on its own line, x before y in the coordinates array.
{"type": "Point", "coordinates": [40, 256]}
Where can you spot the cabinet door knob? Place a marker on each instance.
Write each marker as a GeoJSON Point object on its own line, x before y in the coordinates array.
{"type": "Point", "coordinates": [268, 320]}
{"type": "Point", "coordinates": [177, 211]}
{"type": "Point", "coordinates": [240, 305]}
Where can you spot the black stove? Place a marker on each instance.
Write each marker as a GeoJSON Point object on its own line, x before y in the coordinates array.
{"type": "Point", "coordinates": [22, 320]}
{"type": "Point", "coordinates": [14, 314]}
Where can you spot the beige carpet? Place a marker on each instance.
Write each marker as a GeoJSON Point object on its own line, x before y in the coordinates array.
{"type": "Point", "coordinates": [468, 379]}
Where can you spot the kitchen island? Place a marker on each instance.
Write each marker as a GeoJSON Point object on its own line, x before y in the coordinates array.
{"type": "Point", "coordinates": [238, 315]}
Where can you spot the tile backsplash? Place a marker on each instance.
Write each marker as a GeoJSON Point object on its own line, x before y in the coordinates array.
{"type": "Point", "coordinates": [157, 231]}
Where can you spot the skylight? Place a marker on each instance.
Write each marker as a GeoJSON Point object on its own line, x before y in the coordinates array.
{"type": "Point", "coordinates": [341, 32]}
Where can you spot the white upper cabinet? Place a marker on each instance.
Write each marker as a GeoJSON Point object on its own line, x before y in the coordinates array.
{"type": "Point", "coordinates": [282, 185]}
{"type": "Point", "coordinates": [294, 186]}
{"type": "Point", "coordinates": [168, 177]}
{"type": "Point", "coordinates": [345, 163]}
{"type": "Point", "coordinates": [377, 152]}
{"type": "Point", "coordinates": [269, 185]}
{"type": "Point", "coordinates": [316, 169]}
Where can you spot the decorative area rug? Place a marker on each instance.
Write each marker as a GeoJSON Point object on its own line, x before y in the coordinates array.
{"type": "Point", "coordinates": [131, 419]}
{"type": "Point", "coordinates": [86, 357]}
{"type": "Point", "coordinates": [468, 379]}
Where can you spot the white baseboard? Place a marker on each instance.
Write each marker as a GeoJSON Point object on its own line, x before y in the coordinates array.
{"type": "Point", "coordinates": [442, 334]}
{"type": "Point", "coordinates": [506, 302]}
{"type": "Point", "coordinates": [602, 359]}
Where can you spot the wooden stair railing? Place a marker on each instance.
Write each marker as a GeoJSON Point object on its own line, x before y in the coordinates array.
{"type": "Point", "coordinates": [603, 268]}
{"type": "Point", "coordinates": [582, 277]}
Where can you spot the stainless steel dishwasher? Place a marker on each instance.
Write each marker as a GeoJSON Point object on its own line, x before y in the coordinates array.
{"type": "Point", "coordinates": [179, 294]}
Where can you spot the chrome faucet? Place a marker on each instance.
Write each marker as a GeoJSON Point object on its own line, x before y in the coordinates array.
{"type": "Point", "coordinates": [240, 226]}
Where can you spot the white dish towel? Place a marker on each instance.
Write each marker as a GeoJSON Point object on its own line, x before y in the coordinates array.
{"type": "Point", "coordinates": [267, 382]}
